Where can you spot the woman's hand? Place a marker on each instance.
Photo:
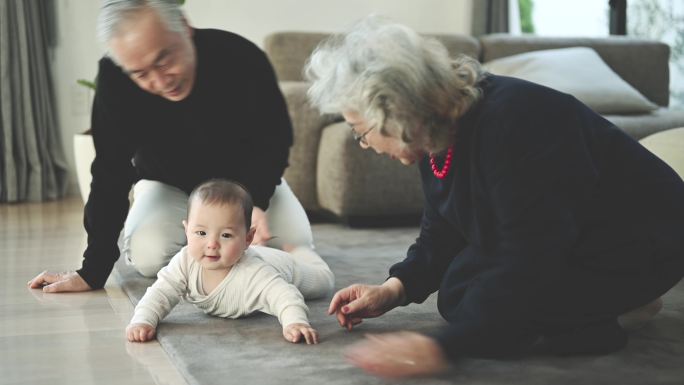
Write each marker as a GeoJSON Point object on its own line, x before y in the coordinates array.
{"type": "Point", "coordinates": [356, 302]}
{"type": "Point", "coordinates": [59, 282]}
{"type": "Point", "coordinates": [140, 332]}
{"type": "Point", "coordinates": [294, 333]}
{"type": "Point", "coordinates": [395, 355]}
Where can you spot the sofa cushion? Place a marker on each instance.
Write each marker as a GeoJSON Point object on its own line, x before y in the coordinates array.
{"type": "Point", "coordinates": [578, 71]}
{"type": "Point", "coordinates": [626, 55]}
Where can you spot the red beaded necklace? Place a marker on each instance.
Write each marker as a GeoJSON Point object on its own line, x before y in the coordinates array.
{"type": "Point", "coordinates": [441, 174]}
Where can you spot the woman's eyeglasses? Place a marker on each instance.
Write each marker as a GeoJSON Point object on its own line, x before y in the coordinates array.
{"type": "Point", "coordinates": [361, 138]}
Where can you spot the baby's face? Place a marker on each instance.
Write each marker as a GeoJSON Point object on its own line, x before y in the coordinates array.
{"type": "Point", "coordinates": [216, 234]}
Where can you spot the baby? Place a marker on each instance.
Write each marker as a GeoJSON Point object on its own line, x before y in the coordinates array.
{"type": "Point", "coordinates": [220, 273]}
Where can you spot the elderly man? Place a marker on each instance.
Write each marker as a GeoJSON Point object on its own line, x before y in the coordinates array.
{"type": "Point", "coordinates": [175, 106]}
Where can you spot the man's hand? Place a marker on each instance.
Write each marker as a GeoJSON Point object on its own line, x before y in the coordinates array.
{"type": "Point", "coordinates": [59, 282]}
{"type": "Point", "coordinates": [356, 302]}
{"type": "Point", "coordinates": [294, 333]}
{"type": "Point", "coordinates": [395, 355]}
{"type": "Point", "coordinates": [263, 234]}
{"type": "Point", "coordinates": [140, 332]}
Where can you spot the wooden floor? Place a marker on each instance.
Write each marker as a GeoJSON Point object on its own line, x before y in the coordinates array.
{"type": "Point", "coordinates": [73, 338]}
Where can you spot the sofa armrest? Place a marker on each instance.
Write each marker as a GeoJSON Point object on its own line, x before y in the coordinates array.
{"type": "Point", "coordinates": [307, 124]}
{"type": "Point", "coordinates": [357, 184]}
{"type": "Point", "coordinates": [644, 64]}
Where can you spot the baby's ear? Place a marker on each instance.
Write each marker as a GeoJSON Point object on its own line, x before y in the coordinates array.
{"type": "Point", "coordinates": [185, 225]}
{"type": "Point", "coordinates": [250, 235]}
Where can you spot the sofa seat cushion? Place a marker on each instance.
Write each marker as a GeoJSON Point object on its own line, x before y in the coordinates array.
{"type": "Point", "coordinates": [639, 126]}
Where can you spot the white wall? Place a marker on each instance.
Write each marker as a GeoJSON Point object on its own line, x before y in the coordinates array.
{"type": "Point", "coordinates": [76, 57]}
{"type": "Point", "coordinates": [254, 19]}
{"type": "Point", "coordinates": [78, 50]}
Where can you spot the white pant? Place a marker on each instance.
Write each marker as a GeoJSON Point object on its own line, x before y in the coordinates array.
{"type": "Point", "coordinates": [153, 232]}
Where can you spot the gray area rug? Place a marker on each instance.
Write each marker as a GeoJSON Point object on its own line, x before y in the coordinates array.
{"type": "Point", "coordinates": [210, 350]}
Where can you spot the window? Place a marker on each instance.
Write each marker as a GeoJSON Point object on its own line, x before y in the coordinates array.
{"type": "Point", "coordinates": [662, 20]}
{"type": "Point", "coordinates": [566, 18]}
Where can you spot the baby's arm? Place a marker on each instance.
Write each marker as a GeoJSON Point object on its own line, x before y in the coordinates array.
{"type": "Point", "coordinates": [158, 301]}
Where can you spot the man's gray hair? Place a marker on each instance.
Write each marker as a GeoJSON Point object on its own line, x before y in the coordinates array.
{"type": "Point", "coordinates": [114, 12]}
{"type": "Point", "coordinates": [396, 79]}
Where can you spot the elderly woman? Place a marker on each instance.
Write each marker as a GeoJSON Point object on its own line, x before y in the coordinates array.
{"type": "Point", "coordinates": [545, 227]}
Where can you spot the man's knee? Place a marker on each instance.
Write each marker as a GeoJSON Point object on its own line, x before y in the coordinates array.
{"type": "Point", "coordinates": [147, 268]}
{"type": "Point", "coordinates": [151, 247]}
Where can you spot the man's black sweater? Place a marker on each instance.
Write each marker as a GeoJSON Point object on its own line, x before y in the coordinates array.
{"type": "Point", "coordinates": [234, 125]}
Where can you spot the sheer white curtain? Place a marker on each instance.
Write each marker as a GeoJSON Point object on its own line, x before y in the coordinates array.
{"type": "Point", "coordinates": [662, 20]}
{"type": "Point", "coordinates": [514, 27]}
{"type": "Point", "coordinates": [32, 161]}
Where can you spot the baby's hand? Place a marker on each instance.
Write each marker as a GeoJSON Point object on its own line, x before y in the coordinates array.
{"type": "Point", "coordinates": [140, 332]}
{"type": "Point", "coordinates": [294, 332]}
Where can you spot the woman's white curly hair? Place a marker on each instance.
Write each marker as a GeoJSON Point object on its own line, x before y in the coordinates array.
{"type": "Point", "coordinates": [396, 79]}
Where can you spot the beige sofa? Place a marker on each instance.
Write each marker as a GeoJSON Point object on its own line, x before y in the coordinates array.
{"type": "Point", "coordinates": [330, 173]}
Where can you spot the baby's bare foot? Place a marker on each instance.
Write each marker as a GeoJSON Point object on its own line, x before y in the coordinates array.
{"type": "Point", "coordinates": [288, 247]}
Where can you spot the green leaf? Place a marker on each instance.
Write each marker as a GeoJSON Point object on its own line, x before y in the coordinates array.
{"type": "Point", "coordinates": [87, 83]}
